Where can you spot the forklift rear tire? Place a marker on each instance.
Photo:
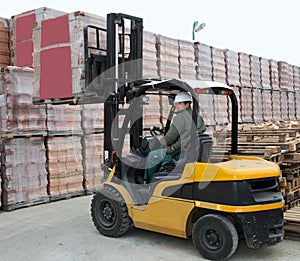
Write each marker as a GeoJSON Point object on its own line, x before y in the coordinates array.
{"type": "Point", "coordinates": [215, 237]}
{"type": "Point", "coordinates": [109, 212]}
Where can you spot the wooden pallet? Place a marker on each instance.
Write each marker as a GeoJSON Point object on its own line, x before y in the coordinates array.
{"type": "Point", "coordinates": [292, 224]}
{"type": "Point", "coordinates": [24, 134]}
{"type": "Point", "coordinates": [23, 204]}
{"type": "Point", "coordinates": [67, 195]}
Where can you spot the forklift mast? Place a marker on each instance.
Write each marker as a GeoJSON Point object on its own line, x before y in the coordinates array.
{"type": "Point", "coordinates": [120, 61]}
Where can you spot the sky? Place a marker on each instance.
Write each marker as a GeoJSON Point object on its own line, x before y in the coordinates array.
{"type": "Point", "coordinates": [265, 28]}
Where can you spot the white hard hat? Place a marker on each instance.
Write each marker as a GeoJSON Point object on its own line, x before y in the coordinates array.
{"type": "Point", "coordinates": [183, 97]}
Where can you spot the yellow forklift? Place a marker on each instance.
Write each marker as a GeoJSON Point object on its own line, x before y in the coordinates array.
{"type": "Point", "coordinates": [214, 203]}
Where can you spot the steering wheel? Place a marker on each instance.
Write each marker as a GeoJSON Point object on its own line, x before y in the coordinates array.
{"type": "Point", "coordinates": [156, 131]}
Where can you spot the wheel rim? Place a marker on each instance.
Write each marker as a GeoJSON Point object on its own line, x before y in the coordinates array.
{"type": "Point", "coordinates": [212, 239]}
{"type": "Point", "coordinates": [106, 213]}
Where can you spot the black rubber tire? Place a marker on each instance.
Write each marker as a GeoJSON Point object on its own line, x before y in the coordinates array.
{"type": "Point", "coordinates": [215, 237]}
{"type": "Point", "coordinates": [109, 213]}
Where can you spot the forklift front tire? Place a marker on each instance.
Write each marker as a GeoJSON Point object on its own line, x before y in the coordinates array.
{"type": "Point", "coordinates": [109, 213]}
{"type": "Point", "coordinates": [215, 237]}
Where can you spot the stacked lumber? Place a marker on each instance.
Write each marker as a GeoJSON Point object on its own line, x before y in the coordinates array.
{"type": "Point", "coordinates": [218, 65]}
{"type": "Point", "coordinates": [18, 114]}
{"type": "Point", "coordinates": [149, 55]}
{"type": "Point", "coordinates": [292, 224]}
{"type": "Point", "coordinates": [232, 68]}
{"type": "Point", "coordinates": [23, 171]}
{"type": "Point", "coordinates": [92, 156]}
{"type": "Point", "coordinates": [167, 57]}
{"type": "Point", "coordinates": [4, 42]}
{"type": "Point", "coordinates": [203, 57]}
{"type": "Point", "coordinates": [187, 66]}
{"type": "Point", "coordinates": [59, 57]}
{"type": "Point", "coordinates": [21, 41]}
{"type": "Point", "coordinates": [65, 171]}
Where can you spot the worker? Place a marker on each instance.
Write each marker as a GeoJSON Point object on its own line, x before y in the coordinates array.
{"type": "Point", "coordinates": [176, 139]}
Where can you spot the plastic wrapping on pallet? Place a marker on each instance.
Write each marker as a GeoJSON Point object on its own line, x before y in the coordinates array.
{"type": "Point", "coordinates": [246, 104]}
{"type": "Point", "coordinates": [64, 118]}
{"type": "Point", "coordinates": [167, 57]}
{"type": "Point", "coordinates": [16, 92]}
{"type": "Point", "coordinates": [265, 73]}
{"type": "Point", "coordinates": [232, 68]}
{"type": "Point", "coordinates": [92, 155]}
{"type": "Point", "coordinates": [203, 61]}
{"type": "Point", "coordinates": [92, 117]}
{"type": "Point", "coordinates": [276, 107]}
{"type": "Point", "coordinates": [4, 42]}
{"type": "Point", "coordinates": [221, 109]}
{"type": "Point", "coordinates": [284, 105]}
{"type": "Point", "coordinates": [150, 69]}
{"type": "Point", "coordinates": [257, 105]}
{"type": "Point", "coordinates": [65, 170]}
{"type": "Point", "coordinates": [255, 72]}
{"type": "Point", "coordinates": [285, 76]}
{"type": "Point", "coordinates": [187, 66]}
{"type": "Point", "coordinates": [207, 108]}
{"type": "Point", "coordinates": [296, 83]}
{"type": "Point", "coordinates": [267, 104]}
{"type": "Point", "coordinates": [291, 105]}
{"type": "Point", "coordinates": [59, 53]}
{"type": "Point", "coordinates": [218, 65]}
{"type": "Point", "coordinates": [21, 33]}
{"type": "Point", "coordinates": [24, 175]}
{"type": "Point", "coordinates": [245, 72]}
{"type": "Point", "coordinates": [274, 74]}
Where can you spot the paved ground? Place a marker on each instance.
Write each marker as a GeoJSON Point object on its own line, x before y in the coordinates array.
{"type": "Point", "coordinates": [63, 230]}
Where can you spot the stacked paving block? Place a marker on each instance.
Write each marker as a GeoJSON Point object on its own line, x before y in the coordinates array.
{"type": "Point", "coordinates": [203, 59]}
{"type": "Point", "coordinates": [232, 68]}
{"type": "Point", "coordinates": [266, 89]}
{"type": "Point", "coordinates": [92, 155]}
{"type": "Point", "coordinates": [65, 171]}
{"type": "Point", "coordinates": [16, 109]}
{"type": "Point", "coordinates": [286, 85]}
{"type": "Point", "coordinates": [255, 79]}
{"type": "Point", "coordinates": [150, 63]}
{"type": "Point", "coordinates": [187, 66]}
{"type": "Point", "coordinates": [296, 83]}
{"type": "Point", "coordinates": [218, 65]}
{"type": "Point", "coordinates": [23, 171]}
{"type": "Point", "coordinates": [21, 34]}
{"type": "Point", "coordinates": [59, 53]}
{"type": "Point", "coordinates": [92, 118]}
{"type": "Point", "coordinates": [167, 57]}
{"type": "Point", "coordinates": [274, 80]}
{"type": "Point", "coordinates": [4, 42]}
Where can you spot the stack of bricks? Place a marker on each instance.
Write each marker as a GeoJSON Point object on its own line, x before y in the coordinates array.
{"type": "Point", "coordinates": [4, 42]}
{"type": "Point", "coordinates": [63, 120]}
{"type": "Point", "coordinates": [232, 68]}
{"type": "Point", "coordinates": [274, 80]}
{"type": "Point", "coordinates": [167, 57]}
{"type": "Point", "coordinates": [59, 57]}
{"type": "Point", "coordinates": [65, 171]}
{"type": "Point", "coordinates": [23, 170]}
{"type": "Point", "coordinates": [92, 155]}
{"type": "Point", "coordinates": [150, 66]}
{"type": "Point", "coordinates": [203, 59]}
{"type": "Point", "coordinates": [21, 43]}
{"type": "Point", "coordinates": [255, 79]}
{"type": "Point", "coordinates": [244, 69]}
{"type": "Point", "coordinates": [187, 66]}
{"type": "Point", "coordinates": [296, 82]}
{"type": "Point", "coordinates": [266, 89]}
{"type": "Point", "coordinates": [286, 85]}
{"type": "Point", "coordinates": [92, 118]}
{"type": "Point", "coordinates": [18, 114]}
{"type": "Point", "coordinates": [218, 65]}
